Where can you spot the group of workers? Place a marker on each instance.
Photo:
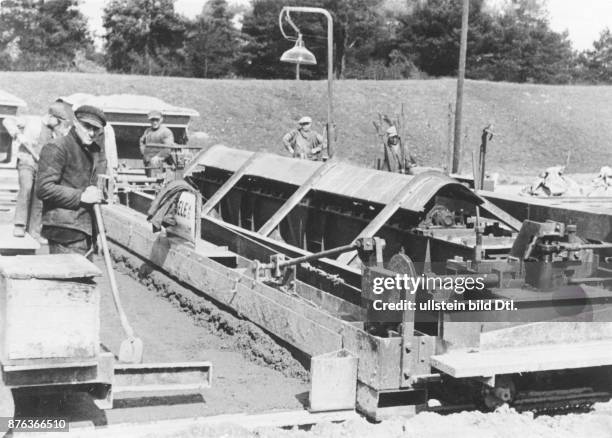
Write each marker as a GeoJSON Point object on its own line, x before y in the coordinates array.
{"type": "Point", "coordinates": [305, 143]}
{"type": "Point", "coordinates": [60, 155]}
{"type": "Point", "coordinates": [59, 159]}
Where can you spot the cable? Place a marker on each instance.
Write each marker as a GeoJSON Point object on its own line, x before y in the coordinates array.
{"type": "Point", "coordinates": [280, 25]}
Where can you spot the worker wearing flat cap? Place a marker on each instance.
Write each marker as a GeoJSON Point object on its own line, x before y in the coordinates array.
{"type": "Point", "coordinates": [303, 142]}
{"type": "Point", "coordinates": [67, 183]}
{"type": "Point", "coordinates": [29, 134]}
{"type": "Point", "coordinates": [396, 158]}
{"type": "Point", "coordinates": [157, 134]}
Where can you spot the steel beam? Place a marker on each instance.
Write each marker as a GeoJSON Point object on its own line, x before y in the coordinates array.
{"type": "Point", "coordinates": [295, 199]}
{"type": "Point", "coordinates": [506, 218]}
{"type": "Point", "coordinates": [384, 215]}
{"type": "Point", "coordinates": [229, 184]}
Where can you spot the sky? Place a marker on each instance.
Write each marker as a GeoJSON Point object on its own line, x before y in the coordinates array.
{"type": "Point", "coordinates": [583, 19]}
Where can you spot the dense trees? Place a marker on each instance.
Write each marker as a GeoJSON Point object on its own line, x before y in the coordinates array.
{"type": "Point", "coordinates": [595, 65]}
{"type": "Point", "coordinates": [144, 36]}
{"type": "Point", "coordinates": [212, 42]}
{"type": "Point", "coordinates": [508, 40]}
{"type": "Point", "coordinates": [37, 35]}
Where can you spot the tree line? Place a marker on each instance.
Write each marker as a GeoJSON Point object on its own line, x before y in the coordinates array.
{"type": "Point", "coordinates": [373, 39]}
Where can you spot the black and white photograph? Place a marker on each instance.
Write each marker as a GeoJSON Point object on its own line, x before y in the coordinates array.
{"type": "Point", "coordinates": [306, 218]}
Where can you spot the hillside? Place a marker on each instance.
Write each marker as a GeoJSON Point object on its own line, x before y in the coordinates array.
{"type": "Point", "coordinates": [535, 125]}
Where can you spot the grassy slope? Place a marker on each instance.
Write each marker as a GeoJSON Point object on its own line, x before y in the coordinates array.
{"type": "Point", "coordinates": [535, 124]}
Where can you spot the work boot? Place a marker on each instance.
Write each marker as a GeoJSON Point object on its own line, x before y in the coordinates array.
{"type": "Point", "coordinates": [19, 231]}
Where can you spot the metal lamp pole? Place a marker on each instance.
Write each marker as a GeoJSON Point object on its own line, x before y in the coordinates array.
{"type": "Point", "coordinates": [330, 66]}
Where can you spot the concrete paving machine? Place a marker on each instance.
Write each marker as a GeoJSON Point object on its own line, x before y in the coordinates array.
{"type": "Point", "coordinates": [320, 255]}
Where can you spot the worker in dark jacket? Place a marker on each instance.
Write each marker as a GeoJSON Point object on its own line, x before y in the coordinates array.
{"type": "Point", "coordinates": [67, 183]}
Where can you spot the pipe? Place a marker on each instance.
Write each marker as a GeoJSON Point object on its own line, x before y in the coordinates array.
{"type": "Point", "coordinates": [316, 256]}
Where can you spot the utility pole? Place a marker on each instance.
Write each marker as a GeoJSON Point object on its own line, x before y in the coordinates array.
{"type": "Point", "coordinates": [460, 80]}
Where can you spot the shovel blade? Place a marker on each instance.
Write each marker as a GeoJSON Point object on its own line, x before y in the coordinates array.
{"type": "Point", "coordinates": [131, 351]}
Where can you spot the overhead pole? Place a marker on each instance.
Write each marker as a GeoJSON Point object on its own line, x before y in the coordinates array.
{"type": "Point", "coordinates": [460, 80]}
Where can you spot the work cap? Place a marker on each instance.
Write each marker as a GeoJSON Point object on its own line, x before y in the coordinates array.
{"type": "Point", "coordinates": [304, 120]}
{"type": "Point", "coordinates": [154, 115]}
{"type": "Point", "coordinates": [61, 110]}
{"type": "Point", "coordinates": [66, 100]}
{"type": "Point", "coordinates": [92, 115]}
{"type": "Point", "coordinates": [392, 131]}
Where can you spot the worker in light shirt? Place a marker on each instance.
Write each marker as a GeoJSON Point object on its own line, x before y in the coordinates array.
{"type": "Point", "coordinates": [29, 134]}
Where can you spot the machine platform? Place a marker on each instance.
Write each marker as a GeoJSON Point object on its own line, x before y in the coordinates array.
{"type": "Point", "coordinates": [11, 245]}
{"type": "Point", "coordinates": [460, 364]}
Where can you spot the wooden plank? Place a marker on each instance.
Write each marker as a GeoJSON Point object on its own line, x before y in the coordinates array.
{"type": "Point", "coordinates": [295, 198]}
{"type": "Point", "coordinates": [49, 319]}
{"type": "Point", "coordinates": [593, 219]}
{"type": "Point", "coordinates": [227, 186]}
{"type": "Point", "coordinates": [460, 364]}
{"type": "Point", "coordinates": [379, 363]}
{"type": "Point", "coordinates": [498, 335]}
{"type": "Point", "coordinates": [10, 244]}
{"type": "Point", "coordinates": [186, 426]}
{"type": "Point", "coordinates": [50, 266]}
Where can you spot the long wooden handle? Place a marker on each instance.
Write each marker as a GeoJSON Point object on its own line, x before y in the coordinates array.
{"type": "Point", "coordinates": [111, 274]}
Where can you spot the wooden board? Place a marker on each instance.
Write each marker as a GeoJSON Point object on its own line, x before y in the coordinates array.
{"type": "Point", "coordinates": [51, 266]}
{"type": "Point", "coordinates": [48, 319]}
{"type": "Point", "coordinates": [460, 364]}
{"type": "Point", "coordinates": [11, 245]}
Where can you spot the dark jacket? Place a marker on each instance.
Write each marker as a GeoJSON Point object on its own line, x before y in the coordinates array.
{"type": "Point", "coordinates": [65, 169]}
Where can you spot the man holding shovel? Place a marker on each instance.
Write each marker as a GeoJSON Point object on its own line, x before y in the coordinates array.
{"type": "Point", "coordinates": [67, 183]}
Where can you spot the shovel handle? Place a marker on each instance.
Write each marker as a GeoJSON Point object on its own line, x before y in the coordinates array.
{"type": "Point", "coordinates": [111, 274]}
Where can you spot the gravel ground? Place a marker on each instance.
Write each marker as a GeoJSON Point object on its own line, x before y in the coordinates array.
{"type": "Point", "coordinates": [504, 423]}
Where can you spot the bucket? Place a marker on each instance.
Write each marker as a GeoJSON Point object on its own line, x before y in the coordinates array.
{"type": "Point", "coordinates": [333, 381]}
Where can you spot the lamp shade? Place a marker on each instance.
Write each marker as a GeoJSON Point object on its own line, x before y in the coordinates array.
{"type": "Point", "coordinates": [299, 54]}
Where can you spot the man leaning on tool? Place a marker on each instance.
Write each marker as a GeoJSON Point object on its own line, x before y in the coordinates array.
{"type": "Point", "coordinates": [303, 142]}
{"type": "Point", "coordinates": [155, 135]}
{"type": "Point", "coordinates": [67, 183]}
{"type": "Point", "coordinates": [396, 158]}
{"type": "Point", "coordinates": [29, 134]}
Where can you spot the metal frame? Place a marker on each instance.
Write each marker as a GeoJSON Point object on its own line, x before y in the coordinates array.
{"type": "Point", "coordinates": [295, 198]}
{"type": "Point", "coordinates": [229, 184]}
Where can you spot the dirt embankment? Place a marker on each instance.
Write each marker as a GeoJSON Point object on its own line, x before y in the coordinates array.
{"type": "Point", "coordinates": [535, 125]}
